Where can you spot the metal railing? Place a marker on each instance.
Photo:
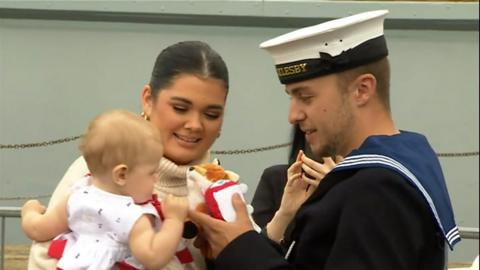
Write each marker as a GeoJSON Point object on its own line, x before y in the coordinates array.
{"type": "Point", "coordinates": [14, 212]}
{"type": "Point", "coordinates": [6, 212]}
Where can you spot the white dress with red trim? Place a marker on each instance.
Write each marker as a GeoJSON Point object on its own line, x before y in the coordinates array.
{"type": "Point", "coordinates": [100, 223]}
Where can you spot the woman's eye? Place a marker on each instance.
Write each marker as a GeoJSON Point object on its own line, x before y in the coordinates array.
{"type": "Point", "coordinates": [180, 108]}
{"type": "Point", "coordinates": [212, 115]}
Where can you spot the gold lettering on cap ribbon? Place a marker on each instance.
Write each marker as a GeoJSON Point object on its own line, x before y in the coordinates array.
{"type": "Point", "coordinates": [292, 70]}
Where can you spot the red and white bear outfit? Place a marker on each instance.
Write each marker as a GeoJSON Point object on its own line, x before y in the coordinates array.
{"type": "Point", "coordinates": [217, 194]}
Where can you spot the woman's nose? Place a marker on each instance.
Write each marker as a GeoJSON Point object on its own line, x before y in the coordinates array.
{"type": "Point", "coordinates": [194, 122]}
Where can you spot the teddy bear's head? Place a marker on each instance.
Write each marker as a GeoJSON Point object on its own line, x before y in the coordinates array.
{"type": "Point", "coordinates": [214, 172]}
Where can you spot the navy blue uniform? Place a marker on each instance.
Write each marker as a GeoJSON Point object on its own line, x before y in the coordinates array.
{"type": "Point", "coordinates": [368, 213]}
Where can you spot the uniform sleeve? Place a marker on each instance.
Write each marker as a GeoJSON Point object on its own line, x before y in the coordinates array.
{"type": "Point", "coordinates": [38, 258]}
{"type": "Point", "coordinates": [268, 194]}
{"type": "Point", "coordinates": [250, 251]}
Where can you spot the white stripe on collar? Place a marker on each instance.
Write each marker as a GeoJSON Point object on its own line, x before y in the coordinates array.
{"type": "Point", "coordinates": [452, 235]}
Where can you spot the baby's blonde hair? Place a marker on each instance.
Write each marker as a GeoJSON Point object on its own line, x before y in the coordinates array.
{"type": "Point", "coordinates": [119, 137]}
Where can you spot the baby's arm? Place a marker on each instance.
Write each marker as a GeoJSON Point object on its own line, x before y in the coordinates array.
{"type": "Point", "coordinates": [155, 249]}
{"type": "Point", "coordinates": [40, 224]}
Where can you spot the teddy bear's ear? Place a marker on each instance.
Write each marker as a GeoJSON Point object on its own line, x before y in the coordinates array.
{"type": "Point", "coordinates": [198, 179]}
{"type": "Point", "coordinates": [216, 161]}
{"type": "Point", "coordinates": [232, 176]}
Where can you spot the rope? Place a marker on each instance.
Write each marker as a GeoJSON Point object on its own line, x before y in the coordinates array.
{"type": "Point", "coordinates": [215, 152]}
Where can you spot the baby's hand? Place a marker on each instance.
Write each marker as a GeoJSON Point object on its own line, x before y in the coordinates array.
{"type": "Point", "coordinates": [175, 207]}
{"type": "Point", "coordinates": [33, 206]}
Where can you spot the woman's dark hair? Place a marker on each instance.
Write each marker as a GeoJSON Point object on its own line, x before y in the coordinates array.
{"type": "Point", "coordinates": [187, 57]}
{"type": "Point", "coordinates": [298, 143]}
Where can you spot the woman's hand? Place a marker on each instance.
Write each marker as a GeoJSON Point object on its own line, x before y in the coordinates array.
{"type": "Point", "coordinates": [317, 170]}
{"type": "Point", "coordinates": [298, 189]}
{"type": "Point", "coordinates": [295, 190]}
{"type": "Point", "coordinates": [33, 206]}
{"type": "Point", "coordinates": [42, 225]}
{"type": "Point", "coordinates": [304, 176]}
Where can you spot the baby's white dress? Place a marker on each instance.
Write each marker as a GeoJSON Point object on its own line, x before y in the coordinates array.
{"type": "Point", "coordinates": [100, 223]}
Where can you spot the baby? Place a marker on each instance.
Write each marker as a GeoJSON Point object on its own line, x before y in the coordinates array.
{"type": "Point", "coordinates": [107, 219]}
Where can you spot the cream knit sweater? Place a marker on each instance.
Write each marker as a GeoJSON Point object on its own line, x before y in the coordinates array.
{"type": "Point", "coordinates": [172, 180]}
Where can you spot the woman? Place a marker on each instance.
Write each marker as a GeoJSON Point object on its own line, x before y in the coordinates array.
{"type": "Point", "coordinates": [185, 100]}
{"type": "Point", "coordinates": [269, 194]}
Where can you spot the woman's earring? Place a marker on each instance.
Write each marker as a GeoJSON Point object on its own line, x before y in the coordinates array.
{"type": "Point", "coordinates": [218, 135]}
{"type": "Point", "coordinates": [145, 116]}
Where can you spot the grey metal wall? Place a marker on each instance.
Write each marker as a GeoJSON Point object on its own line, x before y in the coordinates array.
{"type": "Point", "coordinates": [56, 74]}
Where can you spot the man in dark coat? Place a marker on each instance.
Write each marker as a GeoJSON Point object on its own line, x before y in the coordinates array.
{"type": "Point", "coordinates": [385, 206]}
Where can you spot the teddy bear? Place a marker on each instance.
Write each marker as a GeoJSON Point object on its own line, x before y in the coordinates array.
{"type": "Point", "coordinates": [211, 188]}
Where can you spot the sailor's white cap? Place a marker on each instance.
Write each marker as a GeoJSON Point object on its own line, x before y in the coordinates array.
{"type": "Point", "coordinates": [329, 47]}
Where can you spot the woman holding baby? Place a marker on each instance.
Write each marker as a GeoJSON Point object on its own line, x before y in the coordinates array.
{"type": "Point", "coordinates": [185, 99]}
